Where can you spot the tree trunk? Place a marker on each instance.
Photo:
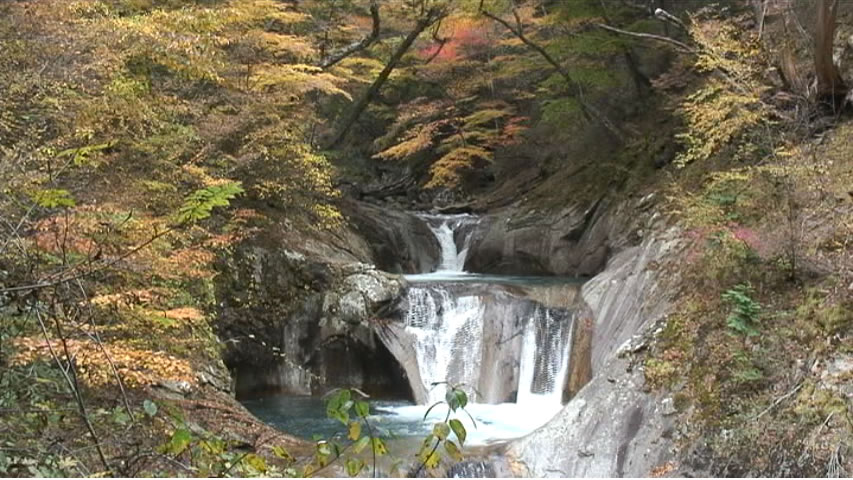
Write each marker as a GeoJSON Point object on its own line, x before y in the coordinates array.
{"type": "Point", "coordinates": [423, 23]}
{"type": "Point", "coordinates": [830, 86]}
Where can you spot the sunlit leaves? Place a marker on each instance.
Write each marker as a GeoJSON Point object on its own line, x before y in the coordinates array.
{"type": "Point", "coordinates": [453, 450]}
{"type": "Point", "coordinates": [178, 442]}
{"type": "Point", "coordinates": [354, 431]}
{"type": "Point", "coordinates": [721, 111]}
{"type": "Point", "coordinates": [53, 198]}
{"type": "Point", "coordinates": [201, 203]}
{"type": "Point", "coordinates": [455, 401]}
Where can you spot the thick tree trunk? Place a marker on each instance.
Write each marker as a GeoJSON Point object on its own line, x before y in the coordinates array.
{"type": "Point", "coordinates": [830, 86]}
{"type": "Point", "coordinates": [423, 23]}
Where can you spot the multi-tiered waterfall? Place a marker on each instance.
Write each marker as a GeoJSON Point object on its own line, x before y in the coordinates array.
{"type": "Point", "coordinates": [506, 339]}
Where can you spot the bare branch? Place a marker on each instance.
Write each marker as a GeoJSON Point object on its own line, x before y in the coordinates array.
{"type": "Point", "coordinates": [365, 42]}
{"type": "Point", "coordinates": [648, 36]}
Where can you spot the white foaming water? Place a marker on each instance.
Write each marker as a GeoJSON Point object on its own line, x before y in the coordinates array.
{"type": "Point", "coordinates": [444, 228]}
{"type": "Point", "coordinates": [448, 330]}
{"type": "Point", "coordinates": [550, 354]}
{"type": "Point", "coordinates": [494, 423]}
{"type": "Point", "coordinates": [449, 333]}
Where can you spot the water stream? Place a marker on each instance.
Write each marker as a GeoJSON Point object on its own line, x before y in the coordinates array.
{"type": "Point", "coordinates": [493, 334]}
{"type": "Point", "coordinates": [482, 331]}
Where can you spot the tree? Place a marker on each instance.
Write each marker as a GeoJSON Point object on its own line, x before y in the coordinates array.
{"type": "Point", "coordinates": [360, 45]}
{"type": "Point", "coordinates": [429, 17]}
{"type": "Point", "coordinates": [575, 88]}
{"type": "Point", "coordinates": [831, 88]}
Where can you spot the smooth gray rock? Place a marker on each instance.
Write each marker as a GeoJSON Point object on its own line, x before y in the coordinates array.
{"type": "Point", "coordinates": [612, 427]}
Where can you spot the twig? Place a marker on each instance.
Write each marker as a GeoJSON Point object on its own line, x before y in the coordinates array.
{"type": "Point", "coordinates": [72, 385]}
{"type": "Point", "coordinates": [97, 338]}
{"type": "Point", "coordinates": [52, 281]}
{"type": "Point", "coordinates": [778, 401]}
{"type": "Point", "coordinates": [648, 36]}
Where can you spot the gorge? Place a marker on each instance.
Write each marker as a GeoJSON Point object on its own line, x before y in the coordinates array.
{"type": "Point", "coordinates": [237, 235]}
{"type": "Point", "coordinates": [505, 339]}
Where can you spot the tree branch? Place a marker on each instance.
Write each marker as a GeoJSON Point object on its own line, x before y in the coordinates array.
{"type": "Point", "coordinates": [648, 36]}
{"type": "Point", "coordinates": [575, 88]}
{"type": "Point", "coordinates": [365, 42]}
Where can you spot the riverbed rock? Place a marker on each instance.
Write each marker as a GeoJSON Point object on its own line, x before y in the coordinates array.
{"type": "Point", "coordinates": [298, 322]}
{"type": "Point", "coordinates": [576, 240]}
{"type": "Point", "coordinates": [612, 427]}
{"type": "Point", "coordinates": [399, 241]}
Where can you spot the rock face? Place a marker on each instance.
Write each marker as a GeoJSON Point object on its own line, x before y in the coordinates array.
{"type": "Point", "coordinates": [399, 241]}
{"type": "Point", "coordinates": [611, 428]}
{"type": "Point", "coordinates": [576, 240]}
{"type": "Point", "coordinates": [297, 323]}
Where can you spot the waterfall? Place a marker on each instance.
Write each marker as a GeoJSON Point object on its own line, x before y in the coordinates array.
{"type": "Point", "coordinates": [445, 229]}
{"type": "Point", "coordinates": [528, 347]}
{"type": "Point", "coordinates": [448, 332]}
{"type": "Point", "coordinates": [544, 359]}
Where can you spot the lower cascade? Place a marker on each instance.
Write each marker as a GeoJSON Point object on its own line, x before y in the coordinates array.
{"type": "Point", "coordinates": [506, 340]}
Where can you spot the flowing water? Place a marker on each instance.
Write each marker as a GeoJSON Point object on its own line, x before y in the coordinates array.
{"type": "Point", "coordinates": [485, 332]}
{"type": "Point", "coordinates": [450, 325]}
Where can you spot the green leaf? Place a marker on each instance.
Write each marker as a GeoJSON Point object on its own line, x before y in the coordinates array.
{"type": "Point", "coordinates": [362, 409]}
{"type": "Point", "coordinates": [459, 430]}
{"type": "Point", "coordinates": [256, 462]}
{"type": "Point", "coordinates": [201, 203]}
{"type": "Point", "coordinates": [282, 453]}
{"type": "Point", "coordinates": [149, 407]}
{"type": "Point", "coordinates": [323, 448]}
{"type": "Point", "coordinates": [358, 446]}
{"type": "Point", "coordinates": [179, 442]}
{"type": "Point", "coordinates": [52, 198]}
{"type": "Point", "coordinates": [354, 466]}
{"type": "Point", "coordinates": [83, 153]}
{"type": "Point", "coordinates": [441, 430]}
{"type": "Point", "coordinates": [354, 430]}
{"type": "Point", "coordinates": [379, 447]}
{"type": "Point", "coordinates": [453, 450]}
{"type": "Point", "coordinates": [120, 416]}
{"type": "Point", "coordinates": [432, 460]}
{"type": "Point", "coordinates": [456, 398]}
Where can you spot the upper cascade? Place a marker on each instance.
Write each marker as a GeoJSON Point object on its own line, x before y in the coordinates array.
{"type": "Point", "coordinates": [453, 233]}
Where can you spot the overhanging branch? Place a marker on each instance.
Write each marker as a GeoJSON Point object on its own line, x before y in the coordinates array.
{"type": "Point", "coordinates": [365, 42]}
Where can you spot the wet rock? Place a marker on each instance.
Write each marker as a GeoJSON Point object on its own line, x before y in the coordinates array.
{"type": "Point", "coordinates": [300, 321]}
{"type": "Point", "coordinates": [667, 407]}
{"type": "Point", "coordinates": [399, 241]}
{"type": "Point", "coordinates": [471, 469]}
{"type": "Point", "coordinates": [838, 375]}
{"type": "Point", "coordinates": [576, 240]}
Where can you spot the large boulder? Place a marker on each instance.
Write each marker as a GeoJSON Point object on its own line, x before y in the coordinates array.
{"type": "Point", "coordinates": [299, 323]}
{"type": "Point", "coordinates": [399, 241]}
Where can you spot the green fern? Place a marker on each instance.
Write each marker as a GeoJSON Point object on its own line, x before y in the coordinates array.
{"type": "Point", "coordinates": [745, 310]}
{"type": "Point", "coordinates": [201, 203]}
